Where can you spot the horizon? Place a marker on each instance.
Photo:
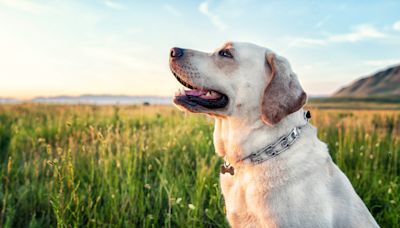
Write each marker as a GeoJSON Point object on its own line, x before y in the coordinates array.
{"type": "Point", "coordinates": [72, 48]}
{"type": "Point", "coordinates": [61, 96]}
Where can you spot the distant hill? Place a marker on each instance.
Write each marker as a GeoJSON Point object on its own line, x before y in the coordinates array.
{"type": "Point", "coordinates": [384, 83]}
{"type": "Point", "coordinates": [5, 100]}
{"type": "Point", "coordinates": [95, 99]}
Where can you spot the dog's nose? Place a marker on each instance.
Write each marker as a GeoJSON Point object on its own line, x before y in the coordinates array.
{"type": "Point", "coordinates": [176, 52]}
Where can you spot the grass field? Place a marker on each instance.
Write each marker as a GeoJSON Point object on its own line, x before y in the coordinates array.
{"type": "Point", "coordinates": [136, 166]}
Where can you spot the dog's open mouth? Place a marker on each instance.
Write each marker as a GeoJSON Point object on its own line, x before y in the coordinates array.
{"type": "Point", "coordinates": [195, 96]}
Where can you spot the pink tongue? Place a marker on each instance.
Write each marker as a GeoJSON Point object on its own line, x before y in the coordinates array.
{"type": "Point", "coordinates": [213, 96]}
{"type": "Point", "coordinates": [195, 92]}
{"type": "Point", "coordinates": [202, 94]}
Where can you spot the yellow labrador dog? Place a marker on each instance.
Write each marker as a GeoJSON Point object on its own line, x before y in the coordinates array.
{"type": "Point", "coordinates": [277, 173]}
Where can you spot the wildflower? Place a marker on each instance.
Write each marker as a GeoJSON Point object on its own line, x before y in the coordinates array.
{"type": "Point", "coordinates": [389, 190]}
{"type": "Point", "coordinates": [9, 166]}
{"type": "Point", "coordinates": [69, 184]}
{"type": "Point", "coordinates": [178, 200]}
{"type": "Point", "coordinates": [191, 206]}
{"type": "Point", "coordinates": [147, 186]}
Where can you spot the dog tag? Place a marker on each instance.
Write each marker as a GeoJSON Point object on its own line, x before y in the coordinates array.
{"type": "Point", "coordinates": [308, 115]}
{"type": "Point", "coordinates": [227, 169]}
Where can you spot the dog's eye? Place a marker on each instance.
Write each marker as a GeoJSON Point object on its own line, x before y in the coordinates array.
{"type": "Point", "coordinates": [225, 53]}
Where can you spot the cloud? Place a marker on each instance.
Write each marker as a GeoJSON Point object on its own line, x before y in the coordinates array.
{"type": "Point", "coordinates": [305, 42]}
{"type": "Point", "coordinates": [382, 62]}
{"type": "Point", "coordinates": [322, 21]}
{"type": "Point", "coordinates": [114, 5]}
{"type": "Point", "coordinates": [127, 57]}
{"type": "Point", "coordinates": [215, 20]}
{"type": "Point", "coordinates": [359, 33]}
{"type": "Point", "coordinates": [172, 10]}
{"type": "Point", "coordinates": [396, 26]}
{"type": "Point", "coordinates": [24, 5]}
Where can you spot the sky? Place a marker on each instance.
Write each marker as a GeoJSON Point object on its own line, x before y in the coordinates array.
{"type": "Point", "coordinates": [71, 47]}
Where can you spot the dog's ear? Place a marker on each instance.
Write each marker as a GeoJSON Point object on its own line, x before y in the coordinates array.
{"type": "Point", "coordinates": [283, 94]}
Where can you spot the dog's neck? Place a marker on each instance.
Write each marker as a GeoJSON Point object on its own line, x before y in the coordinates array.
{"type": "Point", "coordinates": [236, 138]}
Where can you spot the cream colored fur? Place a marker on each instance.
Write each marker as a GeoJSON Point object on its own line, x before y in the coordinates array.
{"type": "Point", "coordinates": [301, 187]}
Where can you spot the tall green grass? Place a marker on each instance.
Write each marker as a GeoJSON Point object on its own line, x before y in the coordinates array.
{"type": "Point", "coordinates": [135, 166]}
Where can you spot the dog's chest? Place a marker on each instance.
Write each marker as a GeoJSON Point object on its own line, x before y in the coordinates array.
{"type": "Point", "coordinates": [245, 201]}
{"type": "Point", "coordinates": [259, 201]}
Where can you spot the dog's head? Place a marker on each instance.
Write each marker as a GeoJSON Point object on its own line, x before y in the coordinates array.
{"type": "Point", "coordinates": [239, 79]}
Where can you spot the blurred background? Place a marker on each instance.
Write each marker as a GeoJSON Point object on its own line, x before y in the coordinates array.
{"type": "Point", "coordinates": [88, 133]}
{"type": "Point", "coordinates": [110, 47]}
